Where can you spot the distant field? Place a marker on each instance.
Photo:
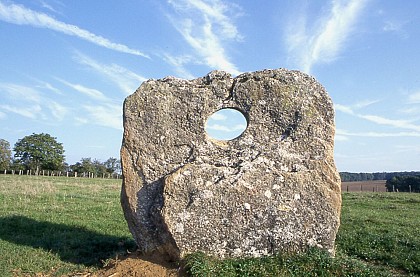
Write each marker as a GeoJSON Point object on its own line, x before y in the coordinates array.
{"type": "Point", "coordinates": [367, 186]}
{"type": "Point", "coordinates": [58, 226]}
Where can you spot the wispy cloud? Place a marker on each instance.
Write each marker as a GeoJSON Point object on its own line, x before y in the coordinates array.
{"type": "Point", "coordinates": [49, 7]}
{"type": "Point", "coordinates": [178, 62]}
{"type": "Point", "coordinates": [29, 102]}
{"type": "Point", "coordinates": [17, 14]}
{"type": "Point", "coordinates": [206, 26]}
{"type": "Point", "coordinates": [46, 85]}
{"type": "Point", "coordinates": [366, 103]}
{"type": "Point", "coordinates": [218, 117]}
{"type": "Point", "coordinates": [225, 128]}
{"type": "Point", "coordinates": [127, 80]}
{"type": "Point", "coordinates": [19, 92]}
{"type": "Point", "coordinates": [414, 98]}
{"type": "Point", "coordinates": [340, 138]}
{"type": "Point", "coordinates": [324, 43]}
{"type": "Point", "coordinates": [398, 123]}
{"type": "Point", "coordinates": [397, 27]}
{"type": "Point", "coordinates": [90, 92]}
{"type": "Point", "coordinates": [107, 115]}
{"type": "Point", "coordinates": [380, 120]}
{"type": "Point", "coordinates": [27, 111]}
{"type": "Point", "coordinates": [58, 111]}
{"type": "Point", "coordinates": [344, 133]}
{"type": "Point", "coordinates": [343, 109]}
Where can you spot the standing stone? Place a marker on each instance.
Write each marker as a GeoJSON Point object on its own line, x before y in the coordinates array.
{"type": "Point", "coordinates": [274, 188]}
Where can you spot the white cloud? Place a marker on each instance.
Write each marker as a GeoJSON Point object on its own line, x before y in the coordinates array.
{"type": "Point", "coordinates": [107, 115]}
{"type": "Point", "coordinates": [365, 103]}
{"type": "Point", "coordinates": [90, 92]}
{"type": "Point", "coordinates": [414, 98]}
{"type": "Point", "coordinates": [410, 111]}
{"type": "Point", "coordinates": [343, 108]}
{"type": "Point", "coordinates": [2, 115]}
{"type": "Point", "coordinates": [20, 15]}
{"type": "Point", "coordinates": [127, 80]}
{"type": "Point", "coordinates": [57, 110]}
{"type": "Point", "coordinates": [48, 86]}
{"type": "Point", "coordinates": [205, 26]}
{"type": "Point", "coordinates": [343, 133]}
{"type": "Point", "coordinates": [323, 44]}
{"type": "Point", "coordinates": [225, 128]}
{"type": "Point", "coordinates": [178, 63]}
{"type": "Point", "coordinates": [396, 123]}
{"type": "Point", "coordinates": [392, 26]}
{"type": "Point", "coordinates": [29, 102]}
{"type": "Point", "coordinates": [397, 27]}
{"type": "Point", "coordinates": [29, 112]}
{"type": "Point", "coordinates": [359, 105]}
{"type": "Point", "coordinates": [218, 116]}
{"type": "Point", "coordinates": [20, 93]}
{"type": "Point", "coordinates": [340, 138]}
{"type": "Point", "coordinates": [81, 120]}
{"type": "Point", "coordinates": [404, 124]}
{"type": "Point", "coordinates": [408, 148]}
{"type": "Point", "coordinates": [49, 7]}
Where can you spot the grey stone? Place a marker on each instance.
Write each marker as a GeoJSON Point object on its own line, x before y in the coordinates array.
{"type": "Point", "coordinates": [274, 188]}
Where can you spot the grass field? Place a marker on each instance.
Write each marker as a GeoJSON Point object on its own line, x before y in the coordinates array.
{"type": "Point", "coordinates": [63, 226]}
{"type": "Point", "coordinates": [58, 225]}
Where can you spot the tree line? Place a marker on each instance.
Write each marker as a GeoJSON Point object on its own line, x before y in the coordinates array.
{"type": "Point", "coordinates": [404, 183]}
{"type": "Point", "coordinates": [38, 152]}
{"type": "Point", "coordinates": [356, 177]}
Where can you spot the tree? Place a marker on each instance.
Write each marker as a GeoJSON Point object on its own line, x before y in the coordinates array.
{"type": "Point", "coordinates": [86, 165]}
{"type": "Point", "coordinates": [404, 184]}
{"type": "Point", "coordinates": [39, 151]}
{"type": "Point", "coordinates": [112, 165]}
{"type": "Point", "coordinates": [100, 168]}
{"type": "Point", "coordinates": [5, 154]}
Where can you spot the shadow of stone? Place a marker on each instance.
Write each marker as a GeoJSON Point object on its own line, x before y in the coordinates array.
{"type": "Point", "coordinates": [73, 244]}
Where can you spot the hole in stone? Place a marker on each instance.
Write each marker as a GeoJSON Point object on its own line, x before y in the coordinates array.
{"type": "Point", "coordinates": [226, 124]}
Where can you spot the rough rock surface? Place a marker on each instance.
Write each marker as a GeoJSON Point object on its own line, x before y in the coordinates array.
{"type": "Point", "coordinates": [274, 188]}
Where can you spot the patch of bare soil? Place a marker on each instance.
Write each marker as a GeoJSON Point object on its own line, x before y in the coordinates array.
{"type": "Point", "coordinates": [140, 265]}
{"type": "Point", "coordinates": [367, 186]}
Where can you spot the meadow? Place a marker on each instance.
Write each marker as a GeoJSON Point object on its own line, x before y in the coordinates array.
{"type": "Point", "coordinates": [58, 226]}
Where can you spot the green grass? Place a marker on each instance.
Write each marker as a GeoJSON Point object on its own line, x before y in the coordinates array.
{"type": "Point", "coordinates": [62, 226]}
{"type": "Point", "coordinates": [58, 225]}
{"type": "Point", "coordinates": [382, 229]}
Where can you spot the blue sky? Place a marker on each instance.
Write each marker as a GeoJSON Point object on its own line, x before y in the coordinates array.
{"type": "Point", "coordinates": [66, 66]}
